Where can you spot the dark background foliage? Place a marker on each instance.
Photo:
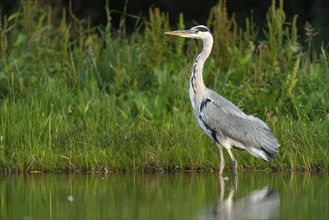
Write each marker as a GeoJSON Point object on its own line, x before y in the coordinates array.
{"type": "Point", "coordinates": [195, 12]}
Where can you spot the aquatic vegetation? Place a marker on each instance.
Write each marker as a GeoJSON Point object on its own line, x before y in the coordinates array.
{"type": "Point", "coordinates": [75, 97]}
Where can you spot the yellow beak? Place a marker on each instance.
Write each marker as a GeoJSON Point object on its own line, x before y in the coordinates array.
{"type": "Point", "coordinates": [181, 33]}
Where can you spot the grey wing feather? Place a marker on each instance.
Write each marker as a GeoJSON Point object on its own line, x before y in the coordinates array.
{"type": "Point", "coordinates": [227, 119]}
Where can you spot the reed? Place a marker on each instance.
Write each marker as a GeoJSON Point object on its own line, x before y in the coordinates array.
{"type": "Point", "coordinates": [79, 98]}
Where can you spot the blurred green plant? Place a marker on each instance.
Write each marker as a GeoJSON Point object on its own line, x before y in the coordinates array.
{"type": "Point", "coordinates": [80, 97]}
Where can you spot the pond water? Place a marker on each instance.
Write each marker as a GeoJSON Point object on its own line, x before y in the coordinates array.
{"type": "Point", "coordinates": [256, 195]}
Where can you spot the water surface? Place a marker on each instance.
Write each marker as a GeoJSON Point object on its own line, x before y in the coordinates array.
{"type": "Point", "coordinates": [165, 196]}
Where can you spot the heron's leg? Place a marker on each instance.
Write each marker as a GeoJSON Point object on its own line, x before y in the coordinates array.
{"type": "Point", "coordinates": [235, 183]}
{"type": "Point", "coordinates": [221, 159]}
{"type": "Point", "coordinates": [235, 166]}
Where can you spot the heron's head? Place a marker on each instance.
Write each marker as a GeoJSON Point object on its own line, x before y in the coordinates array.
{"type": "Point", "coordinates": [197, 32]}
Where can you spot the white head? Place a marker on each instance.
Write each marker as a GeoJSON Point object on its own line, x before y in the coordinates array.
{"type": "Point", "coordinates": [198, 32]}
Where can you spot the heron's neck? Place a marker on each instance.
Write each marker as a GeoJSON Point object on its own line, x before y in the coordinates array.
{"type": "Point", "coordinates": [197, 85]}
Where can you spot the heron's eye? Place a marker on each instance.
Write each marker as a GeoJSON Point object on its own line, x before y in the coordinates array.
{"type": "Point", "coordinates": [196, 31]}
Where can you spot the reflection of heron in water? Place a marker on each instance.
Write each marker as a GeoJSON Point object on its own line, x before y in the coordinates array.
{"type": "Point", "coordinates": [259, 204]}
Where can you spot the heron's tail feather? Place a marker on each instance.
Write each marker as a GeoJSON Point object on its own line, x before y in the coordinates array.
{"type": "Point", "coordinates": [266, 145]}
{"type": "Point", "coordinates": [270, 145]}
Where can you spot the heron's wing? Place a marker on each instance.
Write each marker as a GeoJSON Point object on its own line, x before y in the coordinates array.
{"type": "Point", "coordinates": [229, 121]}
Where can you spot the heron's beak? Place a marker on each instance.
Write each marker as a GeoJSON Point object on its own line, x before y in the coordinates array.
{"type": "Point", "coordinates": [181, 33]}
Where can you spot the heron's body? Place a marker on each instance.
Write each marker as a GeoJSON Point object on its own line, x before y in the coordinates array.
{"type": "Point", "coordinates": [219, 118]}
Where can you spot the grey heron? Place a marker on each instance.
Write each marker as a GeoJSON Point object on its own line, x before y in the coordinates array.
{"type": "Point", "coordinates": [219, 118]}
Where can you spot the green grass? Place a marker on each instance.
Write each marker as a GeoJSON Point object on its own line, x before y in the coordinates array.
{"type": "Point", "coordinates": [79, 98]}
